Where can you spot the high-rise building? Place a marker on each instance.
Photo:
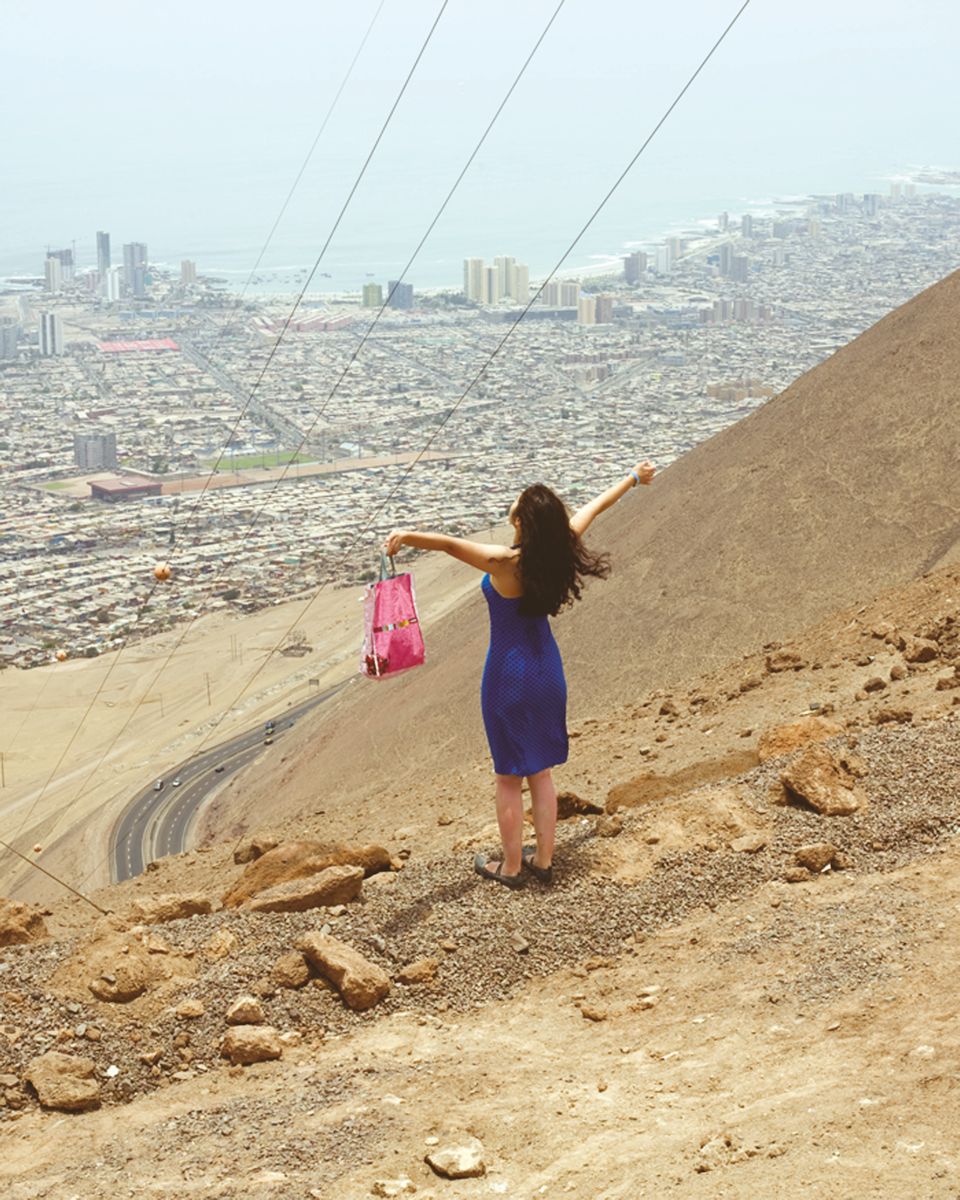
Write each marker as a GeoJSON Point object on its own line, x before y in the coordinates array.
{"type": "Point", "coordinates": [604, 310]}
{"type": "Point", "coordinates": [65, 258]}
{"type": "Point", "coordinates": [51, 335]}
{"type": "Point", "coordinates": [675, 246]}
{"type": "Point", "coordinates": [569, 293]}
{"type": "Point", "coordinates": [551, 293]}
{"type": "Point", "coordinates": [111, 284]}
{"type": "Point", "coordinates": [726, 255]}
{"type": "Point", "coordinates": [135, 268]}
{"type": "Point", "coordinates": [871, 204]}
{"type": "Point", "coordinates": [400, 294]}
{"type": "Point", "coordinates": [746, 225]}
{"type": "Point", "coordinates": [586, 310]}
{"type": "Point", "coordinates": [93, 451]}
{"type": "Point", "coordinates": [663, 259]}
{"type": "Point", "coordinates": [372, 295]}
{"type": "Point", "coordinates": [520, 292]}
{"type": "Point", "coordinates": [473, 279]}
{"type": "Point", "coordinates": [103, 252]}
{"type": "Point", "coordinates": [634, 266]}
{"type": "Point", "coordinates": [723, 222]}
{"type": "Point", "coordinates": [9, 337]}
{"type": "Point", "coordinates": [52, 274]}
{"type": "Point", "coordinates": [505, 268]}
{"type": "Point", "coordinates": [739, 268]}
{"type": "Point", "coordinates": [491, 285]}
{"type": "Point", "coordinates": [188, 271]}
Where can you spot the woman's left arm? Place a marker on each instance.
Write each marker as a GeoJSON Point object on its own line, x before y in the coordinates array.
{"type": "Point", "coordinates": [483, 556]}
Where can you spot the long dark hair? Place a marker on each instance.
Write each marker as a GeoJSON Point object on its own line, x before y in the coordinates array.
{"type": "Point", "coordinates": [553, 559]}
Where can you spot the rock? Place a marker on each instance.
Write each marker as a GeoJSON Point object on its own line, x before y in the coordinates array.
{"type": "Point", "coordinates": [221, 944]}
{"type": "Point", "coordinates": [298, 860]}
{"type": "Point", "coordinates": [875, 684]}
{"type": "Point", "coordinates": [749, 843]}
{"type": "Point", "coordinates": [816, 776]}
{"type": "Point", "coordinates": [126, 979]}
{"type": "Point", "coordinates": [64, 1081]}
{"type": "Point", "coordinates": [815, 856]}
{"type": "Point", "coordinates": [569, 804]}
{"type": "Point", "coordinates": [946, 682]}
{"type": "Point", "coordinates": [898, 671]}
{"type": "Point", "coordinates": [361, 983]}
{"type": "Point", "coordinates": [290, 970]}
{"type": "Point", "coordinates": [171, 906]}
{"type": "Point", "coordinates": [255, 847]}
{"type": "Point", "coordinates": [920, 650]}
{"type": "Point", "coordinates": [245, 1010]}
{"type": "Point", "coordinates": [461, 1158]}
{"type": "Point", "coordinates": [797, 875]}
{"type": "Point", "coordinates": [392, 1187]}
{"type": "Point", "coordinates": [884, 630]}
{"type": "Point", "coordinates": [245, 1044]}
{"type": "Point", "coordinates": [335, 885]}
{"type": "Point", "coordinates": [591, 1013]}
{"type": "Point", "coordinates": [783, 660]}
{"type": "Point", "coordinates": [669, 708]}
{"type": "Point", "coordinates": [785, 739]}
{"type": "Point", "coordinates": [190, 1009]}
{"type": "Point", "coordinates": [20, 923]}
{"type": "Point", "coordinates": [891, 716]}
{"type": "Point", "coordinates": [424, 970]}
{"type": "Point", "coordinates": [609, 826]}
{"type": "Point", "coordinates": [749, 683]}
{"type": "Point", "coordinates": [519, 943]}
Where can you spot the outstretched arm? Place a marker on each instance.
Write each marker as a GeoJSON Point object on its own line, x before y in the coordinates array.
{"type": "Point", "coordinates": [581, 520]}
{"type": "Point", "coordinates": [483, 556]}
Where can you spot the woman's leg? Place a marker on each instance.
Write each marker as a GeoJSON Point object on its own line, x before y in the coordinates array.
{"type": "Point", "coordinates": [544, 797]}
{"type": "Point", "coordinates": [510, 820]}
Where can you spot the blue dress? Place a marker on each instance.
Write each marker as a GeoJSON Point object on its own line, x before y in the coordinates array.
{"type": "Point", "coordinates": [523, 695]}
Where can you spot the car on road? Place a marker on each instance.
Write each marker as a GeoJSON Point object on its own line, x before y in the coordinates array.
{"type": "Point", "coordinates": [219, 768]}
{"type": "Point", "coordinates": [175, 782]}
{"type": "Point", "coordinates": [268, 740]}
{"type": "Point", "coordinates": [158, 786]}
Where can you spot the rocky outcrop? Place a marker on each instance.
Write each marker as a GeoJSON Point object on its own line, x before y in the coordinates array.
{"type": "Point", "coordinates": [64, 1081]}
{"type": "Point", "coordinates": [298, 860]}
{"type": "Point", "coordinates": [361, 983]}
{"type": "Point", "coordinates": [785, 739]}
{"type": "Point", "coordinates": [254, 847]}
{"type": "Point", "coordinates": [819, 778]}
{"type": "Point", "coordinates": [335, 885]}
{"type": "Point", "coordinates": [170, 906]}
{"type": "Point", "coordinates": [20, 923]}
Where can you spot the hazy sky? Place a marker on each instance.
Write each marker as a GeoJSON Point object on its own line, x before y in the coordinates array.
{"type": "Point", "coordinates": [182, 122]}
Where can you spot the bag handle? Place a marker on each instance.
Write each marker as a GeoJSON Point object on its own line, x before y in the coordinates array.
{"type": "Point", "coordinates": [387, 569]}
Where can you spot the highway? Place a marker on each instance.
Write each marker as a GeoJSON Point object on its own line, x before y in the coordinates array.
{"type": "Point", "coordinates": [155, 823]}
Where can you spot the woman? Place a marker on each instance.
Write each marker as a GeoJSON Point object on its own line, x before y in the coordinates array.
{"type": "Point", "coordinates": [524, 694]}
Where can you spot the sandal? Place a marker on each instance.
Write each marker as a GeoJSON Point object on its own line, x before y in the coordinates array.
{"type": "Point", "coordinates": [544, 874]}
{"type": "Point", "coordinates": [511, 881]}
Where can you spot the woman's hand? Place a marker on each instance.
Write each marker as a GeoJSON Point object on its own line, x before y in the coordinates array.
{"type": "Point", "coordinates": [646, 471]}
{"type": "Point", "coordinates": [394, 541]}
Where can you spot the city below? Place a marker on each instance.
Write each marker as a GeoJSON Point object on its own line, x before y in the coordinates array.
{"type": "Point", "coordinates": [150, 416]}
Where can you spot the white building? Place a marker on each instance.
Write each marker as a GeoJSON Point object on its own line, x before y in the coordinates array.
{"type": "Point", "coordinates": [473, 279]}
{"type": "Point", "coordinates": [53, 274]}
{"type": "Point", "coordinates": [51, 335]}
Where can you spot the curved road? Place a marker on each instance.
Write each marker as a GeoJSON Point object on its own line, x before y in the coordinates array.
{"type": "Point", "coordinates": [155, 823]}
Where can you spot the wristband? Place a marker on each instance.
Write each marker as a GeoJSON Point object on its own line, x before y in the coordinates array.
{"type": "Point", "coordinates": [636, 478]}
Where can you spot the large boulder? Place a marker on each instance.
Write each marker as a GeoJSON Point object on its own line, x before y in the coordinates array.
{"type": "Point", "coordinates": [821, 779]}
{"type": "Point", "coordinates": [254, 847]}
{"type": "Point", "coordinates": [335, 885]}
{"type": "Point", "coordinates": [170, 906]}
{"type": "Point", "coordinates": [785, 739]}
{"type": "Point", "coordinates": [64, 1081]}
{"type": "Point", "coordinates": [361, 983]}
{"type": "Point", "coordinates": [124, 980]}
{"type": "Point", "coordinates": [298, 860]}
{"type": "Point", "coordinates": [20, 923]}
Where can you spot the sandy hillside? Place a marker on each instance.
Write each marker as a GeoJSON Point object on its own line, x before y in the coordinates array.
{"type": "Point", "coordinates": [55, 712]}
{"type": "Point", "coordinates": [672, 1016]}
{"type": "Point", "coordinates": [845, 483]}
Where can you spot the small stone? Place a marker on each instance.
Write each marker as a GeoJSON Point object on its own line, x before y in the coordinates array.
{"type": "Point", "coordinates": [815, 856]}
{"type": "Point", "coordinates": [519, 943]}
{"type": "Point", "coordinates": [244, 1044]}
{"type": "Point", "coordinates": [749, 843]}
{"type": "Point", "coordinates": [245, 1010]}
{"type": "Point", "coordinates": [64, 1081]}
{"type": "Point", "coordinates": [590, 1013]}
{"type": "Point", "coordinates": [221, 944]}
{"type": "Point", "coordinates": [449, 945]}
{"type": "Point", "coordinates": [796, 875]}
{"type": "Point", "coordinates": [458, 1159]}
{"type": "Point", "coordinates": [875, 684]}
{"type": "Point", "coordinates": [361, 983]}
{"type": "Point", "coordinates": [609, 826]}
{"type": "Point", "coordinates": [898, 671]}
{"type": "Point", "coordinates": [424, 970]}
{"type": "Point", "coordinates": [920, 650]}
{"type": "Point", "coordinates": [290, 970]}
{"type": "Point", "coordinates": [190, 1009]}
{"type": "Point", "coordinates": [392, 1187]}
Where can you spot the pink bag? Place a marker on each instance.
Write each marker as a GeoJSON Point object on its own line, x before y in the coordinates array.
{"type": "Point", "coordinates": [392, 640]}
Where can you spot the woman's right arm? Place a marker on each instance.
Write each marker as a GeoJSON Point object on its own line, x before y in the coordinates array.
{"type": "Point", "coordinates": [581, 520]}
